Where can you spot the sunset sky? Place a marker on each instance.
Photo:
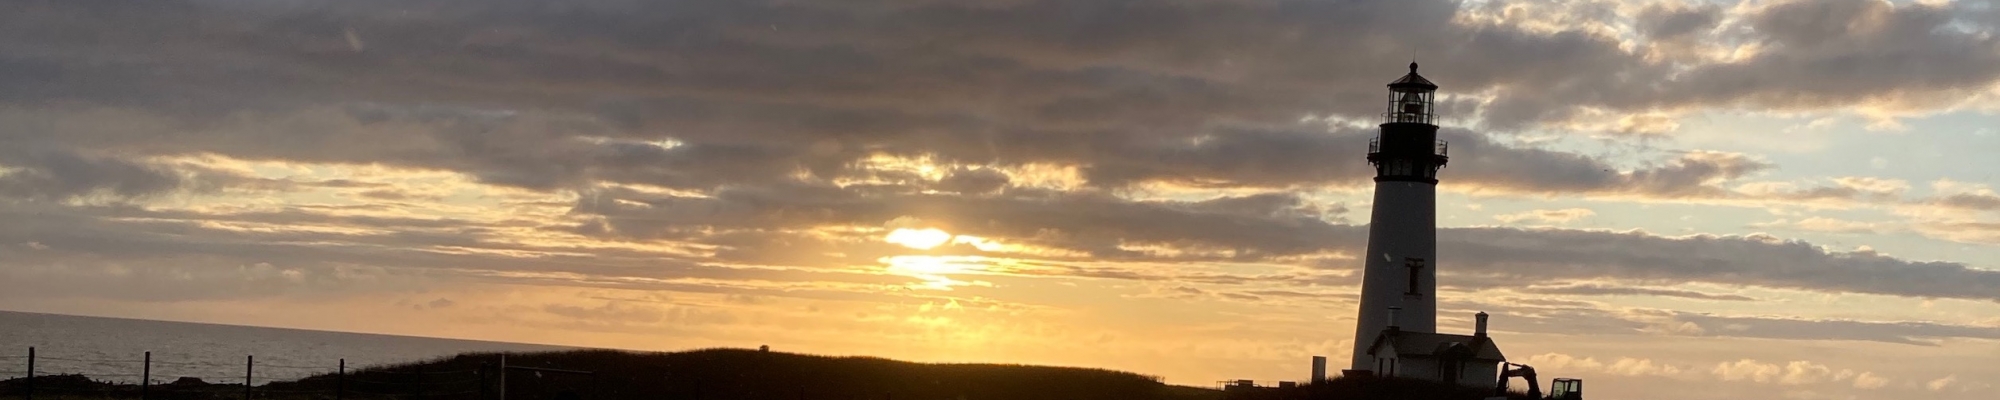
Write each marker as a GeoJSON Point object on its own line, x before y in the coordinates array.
{"type": "Point", "coordinates": [1669, 199]}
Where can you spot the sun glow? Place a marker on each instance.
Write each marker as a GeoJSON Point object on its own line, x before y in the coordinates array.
{"type": "Point", "coordinates": [934, 264]}
{"type": "Point", "coordinates": [935, 271]}
{"type": "Point", "coordinates": [930, 238]}
{"type": "Point", "coordinates": [921, 239]}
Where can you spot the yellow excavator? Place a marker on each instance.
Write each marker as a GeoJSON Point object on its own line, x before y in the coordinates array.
{"type": "Point", "coordinates": [1560, 389]}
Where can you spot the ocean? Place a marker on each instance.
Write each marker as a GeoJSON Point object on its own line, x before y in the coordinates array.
{"type": "Point", "coordinates": [113, 349]}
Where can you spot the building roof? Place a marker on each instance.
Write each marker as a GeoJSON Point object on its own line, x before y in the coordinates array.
{"type": "Point", "coordinates": [1435, 345]}
{"type": "Point", "coordinates": [1413, 81]}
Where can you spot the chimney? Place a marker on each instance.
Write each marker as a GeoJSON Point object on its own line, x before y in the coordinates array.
{"type": "Point", "coordinates": [1319, 370]}
{"type": "Point", "coordinates": [1479, 329]}
{"type": "Point", "coordinates": [1392, 318]}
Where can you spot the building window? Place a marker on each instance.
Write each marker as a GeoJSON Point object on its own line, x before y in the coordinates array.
{"type": "Point", "coordinates": [1416, 267]}
{"type": "Point", "coordinates": [1401, 168]}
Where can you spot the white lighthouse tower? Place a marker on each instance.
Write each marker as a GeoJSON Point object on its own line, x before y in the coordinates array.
{"type": "Point", "coordinates": [1400, 270]}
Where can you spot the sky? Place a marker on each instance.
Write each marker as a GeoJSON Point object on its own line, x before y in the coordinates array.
{"type": "Point", "coordinates": [1666, 198]}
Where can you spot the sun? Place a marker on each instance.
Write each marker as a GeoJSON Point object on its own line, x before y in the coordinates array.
{"type": "Point", "coordinates": [921, 239]}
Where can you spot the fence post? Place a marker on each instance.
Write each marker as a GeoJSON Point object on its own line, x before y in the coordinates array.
{"type": "Point", "coordinates": [249, 364]}
{"type": "Point", "coordinates": [340, 381]}
{"type": "Point", "coordinates": [420, 382]}
{"type": "Point", "coordinates": [146, 376]}
{"type": "Point", "coordinates": [503, 375]}
{"type": "Point", "coordinates": [482, 379]}
{"type": "Point", "coordinates": [31, 373]}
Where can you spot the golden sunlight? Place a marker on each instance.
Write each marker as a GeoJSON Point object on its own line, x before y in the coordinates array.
{"type": "Point", "coordinates": [935, 270]}
{"type": "Point", "coordinates": [921, 239]}
{"type": "Point", "coordinates": [932, 264]}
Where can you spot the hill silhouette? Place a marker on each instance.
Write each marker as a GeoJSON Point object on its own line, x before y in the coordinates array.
{"type": "Point", "coordinates": [731, 374]}
{"type": "Point", "coordinates": [757, 375]}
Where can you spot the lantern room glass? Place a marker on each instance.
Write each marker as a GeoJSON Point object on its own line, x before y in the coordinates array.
{"type": "Point", "coordinates": [1409, 106]}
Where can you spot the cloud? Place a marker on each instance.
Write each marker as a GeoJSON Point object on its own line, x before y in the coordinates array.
{"type": "Point", "coordinates": [1623, 366]}
{"type": "Point", "coordinates": [1562, 216]}
{"type": "Point", "coordinates": [189, 255]}
{"type": "Point", "coordinates": [1525, 256]}
{"type": "Point", "coordinates": [1839, 192]}
{"type": "Point", "coordinates": [1939, 384]}
{"type": "Point", "coordinates": [755, 151]}
{"type": "Point", "coordinates": [1074, 233]}
{"type": "Point", "coordinates": [1747, 370]}
{"type": "Point", "coordinates": [1821, 224]}
{"type": "Point", "coordinates": [1970, 201]}
{"type": "Point", "coordinates": [974, 181]}
{"type": "Point", "coordinates": [1610, 290]}
{"type": "Point", "coordinates": [440, 303]}
{"type": "Point", "coordinates": [1095, 223]}
{"type": "Point", "coordinates": [1668, 21]}
{"type": "Point", "coordinates": [1912, 333]}
{"type": "Point", "coordinates": [1962, 231]}
{"type": "Point", "coordinates": [1794, 373]}
{"type": "Point", "coordinates": [53, 174]}
{"type": "Point", "coordinates": [1278, 226]}
{"type": "Point", "coordinates": [1268, 158]}
{"type": "Point", "coordinates": [832, 86]}
{"type": "Point", "coordinates": [1799, 42]}
{"type": "Point", "coordinates": [1868, 380]}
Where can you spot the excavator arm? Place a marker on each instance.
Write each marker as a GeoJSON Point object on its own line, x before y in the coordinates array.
{"type": "Point", "coordinates": [1525, 372]}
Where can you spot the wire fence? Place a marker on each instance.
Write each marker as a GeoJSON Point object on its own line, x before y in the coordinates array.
{"type": "Point", "coordinates": [29, 377]}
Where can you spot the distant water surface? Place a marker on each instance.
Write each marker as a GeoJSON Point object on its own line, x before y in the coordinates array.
{"type": "Point", "coordinates": [112, 349]}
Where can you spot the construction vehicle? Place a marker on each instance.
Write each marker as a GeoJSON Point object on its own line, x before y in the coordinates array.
{"type": "Point", "coordinates": [1561, 388]}
{"type": "Point", "coordinates": [1566, 389]}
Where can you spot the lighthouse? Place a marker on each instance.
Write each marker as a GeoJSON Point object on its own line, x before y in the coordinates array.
{"type": "Point", "coordinates": [1399, 275]}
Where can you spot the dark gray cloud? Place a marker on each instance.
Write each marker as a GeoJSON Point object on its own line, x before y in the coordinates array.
{"type": "Point", "coordinates": [1268, 227]}
{"type": "Point", "coordinates": [1916, 333]}
{"type": "Point", "coordinates": [973, 181]}
{"type": "Point", "coordinates": [765, 227]}
{"type": "Point", "coordinates": [756, 91]}
{"type": "Point", "coordinates": [1276, 158]}
{"type": "Point", "coordinates": [1571, 318]}
{"type": "Point", "coordinates": [1091, 222]}
{"type": "Point", "coordinates": [1970, 201]}
{"type": "Point", "coordinates": [1665, 21]}
{"type": "Point", "coordinates": [440, 303]}
{"type": "Point", "coordinates": [131, 253]}
{"type": "Point", "coordinates": [1533, 255]}
{"type": "Point", "coordinates": [759, 106]}
{"type": "Point", "coordinates": [1608, 290]}
{"type": "Point", "coordinates": [60, 175]}
{"type": "Point", "coordinates": [1826, 53]}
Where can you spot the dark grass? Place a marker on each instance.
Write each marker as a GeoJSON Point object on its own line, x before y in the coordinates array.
{"type": "Point", "coordinates": [733, 374]}
{"type": "Point", "coordinates": [79, 387]}
{"type": "Point", "coordinates": [754, 375]}
{"type": "Point", "coordinates": [1368, 388]}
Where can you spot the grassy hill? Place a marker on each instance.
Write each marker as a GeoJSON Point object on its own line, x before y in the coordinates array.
{"type": "Point", "coordinates": [749, 375]}
{"type": "Point", "coordinates": [728, 374]}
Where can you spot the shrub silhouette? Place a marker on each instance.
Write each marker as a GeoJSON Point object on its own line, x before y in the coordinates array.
{"type": "Point", "coordinates": [758, 375]}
